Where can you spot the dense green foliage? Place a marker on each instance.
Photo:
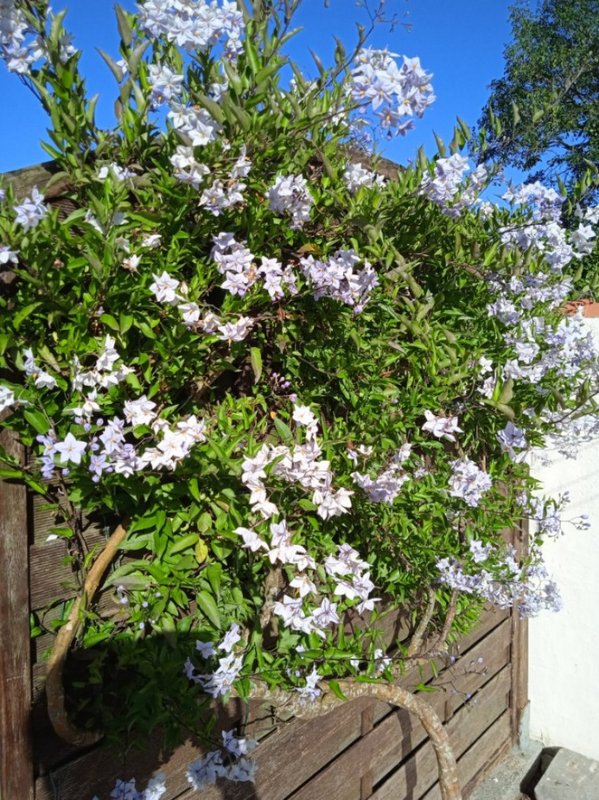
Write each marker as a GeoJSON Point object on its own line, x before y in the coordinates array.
{"type": "Point", "coordinates": [308, 372]}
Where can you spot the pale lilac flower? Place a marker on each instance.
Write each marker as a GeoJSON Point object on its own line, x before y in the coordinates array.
{"type": "Point", "coordinates": [71, 450]}
{"type": "Point", "coordinates": [166, 84]}
{"type": "Point", "coordinates": [441, 427]}
{"type": "Point", "coordinates": [310, 691]}
{"type": "Point", "coordinates": [7, 398]}
{"type": "Point", "coordinates": [236, 331]}
{"type": "Point", "coordinates": [8, 256]}
{"type": "Point", "coordinates": [468, 482]}
{"type": "Point", "coordinates": [290, 194]}
{"type": "Point", "coordinates": [251, 540]}
{"type": "Point", "coordinates": [164, 288]}
{"type": "Point", "coordinates": [31, 211]}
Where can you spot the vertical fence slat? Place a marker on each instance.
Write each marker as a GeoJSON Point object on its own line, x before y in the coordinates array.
{"type": "Point", "coordinates": [519, 698]}
{"type": "Point", "coordinates": [16, 772]}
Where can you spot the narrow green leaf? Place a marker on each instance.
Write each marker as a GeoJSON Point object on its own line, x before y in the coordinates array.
{"type": "Point", "coordinates": [184, 543]}
{"type": "Point", "coordinates": [256, 362]}
{"type": "Point", "coordinates": [283, 430]}
{"type": "Point", "coordinates": [37, 420]}
{"type": "Point", "coordinates": [208, 607]}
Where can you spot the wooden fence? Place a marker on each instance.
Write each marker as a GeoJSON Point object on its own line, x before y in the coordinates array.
{"type": "Point", "coordinates": [363, 750]}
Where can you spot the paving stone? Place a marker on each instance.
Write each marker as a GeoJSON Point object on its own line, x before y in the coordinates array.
{"type": "Point", "coordinates": [569, 776]}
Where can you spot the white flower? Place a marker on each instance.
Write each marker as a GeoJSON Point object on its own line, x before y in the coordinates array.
{"type": "Point", "coordinates": [468, 482]}
{"type": "Point", "coordinates": [304, 416]}
{"type": "Point", "coordinates": [206, 649]}
{"type": "Point", "coordinates": [70, 449]}
{"type": "Point", "coordinates": [7, 398]}
{"type": "Point", "coordinates": [164, 288]}
{"type": "Point", "coordinates": [117, 172]}
{"type": "Point", "coordinates": [230, 638]}
{"type": "Point", "coordinates": [290, 194]}
{"type": "Point", "coordinates": [251, 540]}
{"type": "Point", "coordinates": [7, 255]}
{"type": "Point", "coordinates": [32, 210]}
{"type": "Point", "coordinates": [310, 691]}
{"type": "Point", "coordinates": [236, 331]}
{"type": "Point", "coordinates": [140, 411]}
{"type": "Point", "coordinates": [303, 584]}
{"type": "Point", "coordinates": [441, 427]}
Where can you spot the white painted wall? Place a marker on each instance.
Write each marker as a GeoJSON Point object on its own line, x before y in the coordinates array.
{"type": "Point", "coordinates": [564, 647]}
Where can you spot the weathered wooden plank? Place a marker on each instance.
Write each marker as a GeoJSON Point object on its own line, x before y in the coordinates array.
{"type": "Point", "coordinates": [479, 759]}
{"type": "Point", "coordinates": [315, 744]}
{"type": "Point", "coordinates": [41, 175]}
{"type": "Point", "coordinates": [419, 772]}
{"type": "Point", "coordinates": [45, 517]}
{"type": "Point", "coordinates": [16, 774]}
{"type": "Point", "coordinates": [95, 772]}
{"type": "Point", "coordinates": [397, 735]}
{"type": "Point", "coordinates": [51, 575]}
{"type": "Point", "coordinates": [519, 645]}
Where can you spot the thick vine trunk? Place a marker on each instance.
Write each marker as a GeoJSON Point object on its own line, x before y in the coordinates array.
{"type": "Point", "coordinates": [54, 685]}
{"type": "Point", "coordinates": [388, 693]}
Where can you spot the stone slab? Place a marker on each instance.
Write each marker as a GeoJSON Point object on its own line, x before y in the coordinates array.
{"type": "Point", "coordinates": [569, 776]}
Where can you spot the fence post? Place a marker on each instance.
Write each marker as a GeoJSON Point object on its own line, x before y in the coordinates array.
{"type": "Point", "coordinates": [16, 763]}
{"type": "Point", "coordinates": [519, 694]}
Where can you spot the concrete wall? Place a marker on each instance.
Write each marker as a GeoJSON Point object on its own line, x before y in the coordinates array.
{"type": "Point", "coordinates": [564, 647]}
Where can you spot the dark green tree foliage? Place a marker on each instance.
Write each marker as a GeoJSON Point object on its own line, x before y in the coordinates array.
{"type": "Point", "coordinates": [544, 112]}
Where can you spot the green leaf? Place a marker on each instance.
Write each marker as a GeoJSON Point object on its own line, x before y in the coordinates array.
{"type": "Point", "coordinates": [205, 522]}
{"type": "Point", "coordinates": [110, 322]}
{"type": "Point", "coordinates": [112, 65]}
{"type": "Point", "coordinates": [507, 391]}
{"type": "Point", "coordinates": [183, 543]}
{"type": "Point", "coordinates": [336, 689]}
{"type": "Point", "coordinates": [283, 430]}
{"type": "Point", "coordinates": [37, 420]}
{"type": "Point", "coordinates": [208, 607]}
{"type": "Point", "coordinates": [256, 362]}
{"type": "Point", "coordinates": [201, 551]}
{"type": "Point", "coordinates": [22, 315]}
{"type": "Point", "coordinates": [124, 26]}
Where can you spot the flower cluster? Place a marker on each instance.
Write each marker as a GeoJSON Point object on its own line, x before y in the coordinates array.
{"type": "Point", "coordinates": [236, 263]}
{"type": "Point", "coordinates": [448, 187]}
{"type": "Point", "coordinates": [194, 24]}
{"type": "Point", "coordinates": [230, 763]}
{"type": "Point", "coordinates": [468, 482]}
{"type": "Point", "coordinates": [542, 230]}
{"type": "Point", "coordinates": [17, 47]}
{"type": "Point", "coordinates": [105, 446]}
{"type": "Point", "coordinates": [290, 195]}
{"type": "Point", "coordinates": [392, 91]}
{"type": "Point", "coordinates": [356, 176]}
{"type": "Point", "coordinates": [174, 293]}
{"type": "Point", "coordinates": [220, 681]}
{"type": "Point", "coordinates": [338, 279]}
{"type": "Point", "coordinates": [512, 438]}
{"type": "Point", "coordinates": [127, 790]}
{"type": "Point", "coordinates": [31, 211]}
{"type": "Point", "coordinates": [351, 578]}
{"type": "Point", "coordinates": [387, 485]}
{"type": "Point", "coordinates": [194, 125]}
{"type": "Point", "coordinates": [300, 464]}
{"type": "Point", "coordinates": [503, 581]}
{"type": "Point", "coordinates": [441, 427]}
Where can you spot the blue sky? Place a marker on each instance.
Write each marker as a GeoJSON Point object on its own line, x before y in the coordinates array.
{"type": "Point", "coordinates": [460, 42]}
